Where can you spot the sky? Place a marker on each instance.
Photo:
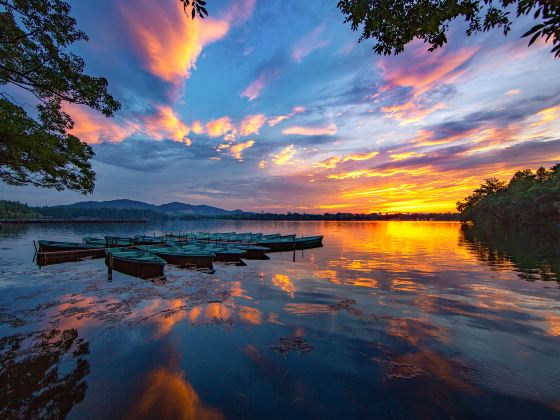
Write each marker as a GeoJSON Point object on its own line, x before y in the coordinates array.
{"type": "Point", "coordinates": [275, 106]}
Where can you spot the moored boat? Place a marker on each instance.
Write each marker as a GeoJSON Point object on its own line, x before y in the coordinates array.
{"type": "Point", "coordinates": [254, 252]}
{"type": "Point", "coordinates": [181, 257]}
{"type": "Point", "coordinates": [222, 253]}
{"type": "Point", "coordinates": [116, 241]}
{"type": "Point", "coordinates": [148, 240]}
{"type": "Point", "coordinates": [290, 242]}
{"type": "Point", "coordinates": [135, 262]}
{"type": "Point", "coordinates": [94, 241]}
{"type": "Point", "coordinates": [54, 246]}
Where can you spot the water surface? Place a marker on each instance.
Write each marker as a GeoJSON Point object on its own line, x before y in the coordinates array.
{"type": "Point", "coordinates": [388, 319]}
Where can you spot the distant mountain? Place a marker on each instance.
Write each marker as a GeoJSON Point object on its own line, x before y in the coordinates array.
{"type": "Point", "coordinates": [174, 208]}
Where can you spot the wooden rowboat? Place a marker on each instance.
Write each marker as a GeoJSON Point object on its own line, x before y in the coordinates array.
{"type": "Point", "coordinates": [287, 243]}
{"type": "Point", "coordinates": [116, 241]}
{"type": "Point", "coordinates": [255, 252]}
{"type": "Point", "coordinates": [54, 246]}
{"type": "Point", "coordinates": [135, 262]}
{"type": "Point", "coordinates": [148, 240]}
{"type": "Point", "coordinates": [222, 253]}
{"type": "Point", "coordinates": [181, 257]}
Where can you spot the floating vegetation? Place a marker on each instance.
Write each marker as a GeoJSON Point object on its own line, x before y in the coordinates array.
{"type": "Point", "coordinates": [398, 370]}
{"type": "Point", "coordinates": [288, 344]}
{"type": "Point", "coordinates": [346, 305]}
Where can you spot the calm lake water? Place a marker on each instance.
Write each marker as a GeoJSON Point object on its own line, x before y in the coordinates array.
{"type": "Point", "coordinates": [388, 319]}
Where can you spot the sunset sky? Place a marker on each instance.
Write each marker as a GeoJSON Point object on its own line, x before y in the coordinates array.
{"type": "Point", "coordinates": [274, 106]}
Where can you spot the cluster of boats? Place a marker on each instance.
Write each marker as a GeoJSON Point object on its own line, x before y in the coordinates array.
{"type": "Point", "coordinates": [145, 256]}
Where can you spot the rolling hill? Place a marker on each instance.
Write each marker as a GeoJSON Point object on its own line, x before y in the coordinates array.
{"type": "Point", "coordinates": [171, 209]}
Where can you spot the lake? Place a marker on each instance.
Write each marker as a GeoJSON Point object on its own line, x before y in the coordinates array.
{"type": "Point", "coordinates": [388, 319]}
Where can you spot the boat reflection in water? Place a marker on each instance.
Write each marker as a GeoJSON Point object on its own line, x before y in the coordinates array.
{"type": "Point", "coordinates": [386, 320]}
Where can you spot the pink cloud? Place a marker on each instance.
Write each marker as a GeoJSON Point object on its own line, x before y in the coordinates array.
{"type": "Point", "coordinates": [251, 124]}
{"type": "Point", "coordinates": [219, 127]}
{"type": "Point", "coordinates": [169, 42]}
{"type": "Point", "coordinates": [410, 112]}
{"type": "Point", "coordinates": [93, 127]}
{"type": "Point", "coordinates": [279, 118]}
{"type": "Point", "coordinates": [165, 124]}
{"type": "Point", "coordinates": [255, 88]}
{"type": "Point", "coordinates": [428, 71]}
{"type": "Point", "coordinates": [328, 130]}
{"type": "Point", "coordinates": [309, 43]}
{"type": "Point", "coordinates": [237, 150]}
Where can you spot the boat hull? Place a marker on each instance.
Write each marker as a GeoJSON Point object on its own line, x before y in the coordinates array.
{"type": "Point", "coordinates": [314, 242]}
{"type": "Point", "coordinates": [228, 257]}
{"type": "Point", "coordinates": [45, 258]}
{"type": "Point", "coordinates": [201, 261]}
{"type": "Point", "coordinates": [61, 248]}
{"type": "Point", "coordinates": [144, 270]}
{"type": "Point", "coordinates": [255, 254]}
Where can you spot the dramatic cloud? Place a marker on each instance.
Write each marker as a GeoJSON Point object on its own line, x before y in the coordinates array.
{"type": "Point", "coordinates": [170, 43]}
{"type": "Point", "coordinates": [329, 130]}
{"type": "Point", "coordinates": [285, 156]}
{"type": "Point", "coordinates": [331, 162]}
{"type": "Point", "coordinates": [93, 127]}
{"type": "Point", "coordinates": [427, 71]}
{"type": "Point", "coordinates": [165, 124]}
{"type": "Point", "coordinates": [315, 128]}
{"type": "Point", "coordinates": [237, 149]}
{"type": "Point", "coordinates": [251, 124]}
{"type": "Point", "coordinates": [220, 127]}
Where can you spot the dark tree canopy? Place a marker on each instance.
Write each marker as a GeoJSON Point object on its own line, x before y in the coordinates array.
{"type": "Point", "coordinates": [34, 40]}
{"type": "Point", "coordinates": [529, 198]}
{"type": "Point", "coordinates": [196, 7]}
{"type": "Point", "coordinates": [395, 23]}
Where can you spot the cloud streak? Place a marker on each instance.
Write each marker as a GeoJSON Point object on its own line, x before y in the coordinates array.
{"type": "Point", "coordinates": [328, 130]}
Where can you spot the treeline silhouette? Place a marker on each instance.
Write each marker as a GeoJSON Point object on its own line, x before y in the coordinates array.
{"type": "Point", "coordinates": [100, 213]}
{"type": "Point", "coordinates": [16, 210]}
{"type": "Point", "coordinates": [528, 198]}
{"type": "Point", "coordinates": [343, 216]}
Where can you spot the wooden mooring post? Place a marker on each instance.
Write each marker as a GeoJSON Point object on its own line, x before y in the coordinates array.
{"type": "Point", "coordinates": [110, 267]}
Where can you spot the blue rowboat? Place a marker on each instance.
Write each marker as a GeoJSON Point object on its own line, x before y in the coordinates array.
{"type": "Point", "coordinates": [181, 256]}
{"type": "Point", "coordinates": [286, 243]}
{"type": "Point", "coordinates": [135, 262]}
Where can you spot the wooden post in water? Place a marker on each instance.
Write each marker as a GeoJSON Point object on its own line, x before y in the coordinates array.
{"type": "Point", "coordinates": [110, 267]}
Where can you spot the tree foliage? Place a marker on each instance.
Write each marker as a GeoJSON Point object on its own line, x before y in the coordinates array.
{"type": "Point", "coordinates": [16, 210]}
{"type": "Point", "coordinates": [196, 7]}
{"type": "Point", "coordinates": [395, 23]}
{"type": "Point", "coordinates": [529, 197]}
{"type": "Point", "coordinates": [34, 39]}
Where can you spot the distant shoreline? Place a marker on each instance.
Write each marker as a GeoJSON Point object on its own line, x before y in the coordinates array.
{"type": "Point", "coordinates": [64, 221]}
{"type": "Point", "coordinates": [124, 221]}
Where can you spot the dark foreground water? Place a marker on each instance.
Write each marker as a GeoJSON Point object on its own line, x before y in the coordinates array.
{"type": "Point", "coordinates": [387, 320]}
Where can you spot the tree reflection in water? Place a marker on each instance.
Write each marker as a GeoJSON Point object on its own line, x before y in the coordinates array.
{"type": "Point", "coordinates": [533, 250]}
{"type": "Point", "coordinates": [42, 374]}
